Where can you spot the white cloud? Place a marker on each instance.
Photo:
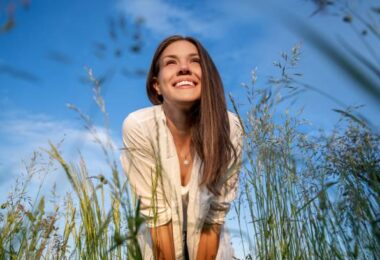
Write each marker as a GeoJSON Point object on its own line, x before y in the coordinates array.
{"type": "Point", "coordinates": [164, 18]}
{"type": "Point", "coordinates": [211, 19]}
{"type": "Point", "coordinates": [23, 133]}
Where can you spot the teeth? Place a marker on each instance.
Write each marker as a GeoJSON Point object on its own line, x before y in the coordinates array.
{"type": "Point", "coordinates": [185, 82]}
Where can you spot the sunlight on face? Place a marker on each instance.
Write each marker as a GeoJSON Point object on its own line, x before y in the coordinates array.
{"type": "Point", "coordinates": [179, 79]}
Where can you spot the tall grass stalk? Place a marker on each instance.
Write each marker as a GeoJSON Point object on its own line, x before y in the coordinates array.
{"type": "Point", "coordinates": [309, 197]}
{"type": "Point", "coordinates": [90, 229]}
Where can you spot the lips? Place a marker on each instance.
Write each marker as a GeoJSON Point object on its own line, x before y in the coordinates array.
{"type": "Point", "coordinates": [185, 83]}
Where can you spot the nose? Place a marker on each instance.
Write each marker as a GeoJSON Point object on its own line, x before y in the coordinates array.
{"type": "Point", "coordinates": [184, 68]}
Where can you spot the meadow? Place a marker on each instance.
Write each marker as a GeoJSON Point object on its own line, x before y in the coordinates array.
{"type": "Point", "coordinates": [302, 196]}
{"type": "Point", "coordinates": [305, 193]}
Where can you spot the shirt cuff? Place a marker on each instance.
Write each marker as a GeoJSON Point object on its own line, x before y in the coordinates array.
{"type": "Point", "coordinates": [158, 220]}
{"type": "Point", "coordinates": [216, 216]}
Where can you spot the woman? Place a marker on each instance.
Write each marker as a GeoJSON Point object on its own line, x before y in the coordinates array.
{"type": "Point", "coordinates": [182, 155]}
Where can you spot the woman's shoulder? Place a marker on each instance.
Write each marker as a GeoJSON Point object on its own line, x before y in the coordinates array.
{"type": "Point", "coordinates": [235, 124]}
{"type": "Point", "coordinates": [142, 116]}
{"type": "Point", "coordinates": [144, 113]}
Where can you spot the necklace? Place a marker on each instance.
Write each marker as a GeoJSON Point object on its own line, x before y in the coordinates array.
{"type": "Point", "coordinates": [186, 160]}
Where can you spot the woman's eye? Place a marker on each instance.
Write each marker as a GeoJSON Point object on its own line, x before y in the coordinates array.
{"type": "Point", "coordinates": [197, 60]}
{"type": "Point", "coordinates": [168, 62]}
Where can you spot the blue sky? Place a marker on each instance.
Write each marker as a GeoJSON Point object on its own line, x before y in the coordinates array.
{"type": "Point", "coordinates": [52, 43]}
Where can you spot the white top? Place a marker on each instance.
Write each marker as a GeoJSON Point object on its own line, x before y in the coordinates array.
{"type": "Point", "coordinates": [151, 163]}
{"type": "Point", "coordinates": [185, 202]}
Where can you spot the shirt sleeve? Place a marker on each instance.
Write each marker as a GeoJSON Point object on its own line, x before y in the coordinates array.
{"type": "Point", "coordinates": [220, 205]}
{"type": "Point", "coordinates": [142, 167]}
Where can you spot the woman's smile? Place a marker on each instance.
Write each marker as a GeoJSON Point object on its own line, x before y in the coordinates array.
{"type": "Point", "coordinates": [185, 83]}
{"type": "Point", "coordinates": [180, 74]}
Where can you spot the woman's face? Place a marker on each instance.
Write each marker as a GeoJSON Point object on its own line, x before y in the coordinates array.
{"type": "Point", "coordinates": [179, 79]}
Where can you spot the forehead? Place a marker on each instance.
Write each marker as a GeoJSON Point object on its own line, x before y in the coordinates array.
{"type": "Point", "coordinates": [180, 48]}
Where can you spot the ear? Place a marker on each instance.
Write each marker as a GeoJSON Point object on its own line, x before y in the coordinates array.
{"type": "Point", "coordinates": [156, 86]}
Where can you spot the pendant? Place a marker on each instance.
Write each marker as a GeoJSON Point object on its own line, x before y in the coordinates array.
{"type": "Point", "coordinates": [186, 162]}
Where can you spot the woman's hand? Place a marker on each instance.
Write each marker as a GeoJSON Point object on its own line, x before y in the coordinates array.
{"type": "Point", "coordinates": [209, 242]}
{"type": "Point", "coordinates": [163, 245]}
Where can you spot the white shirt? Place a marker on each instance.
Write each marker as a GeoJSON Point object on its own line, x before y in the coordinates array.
{"type": "Point", "coordinates": [151, 164]}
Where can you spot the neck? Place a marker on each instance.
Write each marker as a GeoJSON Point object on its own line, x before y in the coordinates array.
{"type": "Point", "coordinates": [178, 120]}
{"type": "Point", "coordinates": [179, 124]}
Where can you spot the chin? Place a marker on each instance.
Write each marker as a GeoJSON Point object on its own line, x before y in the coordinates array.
{"type": "Point", "coordinates": [186, 104]}
{"type": "Point", "coordinates": [188, 98]}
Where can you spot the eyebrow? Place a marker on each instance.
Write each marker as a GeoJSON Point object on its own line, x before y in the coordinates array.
{"type": "Point", "coordinates": [175, 56]}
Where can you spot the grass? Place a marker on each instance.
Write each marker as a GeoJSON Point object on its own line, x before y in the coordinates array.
{"type": "Point", "coordinates": [303, 197]}
{"type": "Point", "coordinates": [308, 197]}
{"type": "Point", "coordinates": [84, 229]}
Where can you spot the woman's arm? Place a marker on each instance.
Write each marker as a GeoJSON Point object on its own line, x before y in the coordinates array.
{"type": "Point", "coordinates": [140, 163]}
{"type": "Point", "coordinates": [209, 242]}
{"type": "Point", "coordinates": [163, 244]}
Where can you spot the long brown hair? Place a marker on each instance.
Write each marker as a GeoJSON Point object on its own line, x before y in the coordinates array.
{"type": "Point", "coordinates": [210, 131]}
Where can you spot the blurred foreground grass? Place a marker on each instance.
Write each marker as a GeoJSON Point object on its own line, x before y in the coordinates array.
{"type": "Point", "coordinates": [302, 197]}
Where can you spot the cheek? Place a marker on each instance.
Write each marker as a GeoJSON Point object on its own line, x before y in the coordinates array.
{"type": "Point", "coordinates": [164, 76]}
{"type": "Point", "coordinates": [160, 78]}
{"type": "Point", "coordinates": [199, 71]}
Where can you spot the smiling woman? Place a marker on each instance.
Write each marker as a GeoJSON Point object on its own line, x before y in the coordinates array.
{"type": "Point", "coordinates": [182, 156]}
{"type": "Point", "coordinates": [179, 81]}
